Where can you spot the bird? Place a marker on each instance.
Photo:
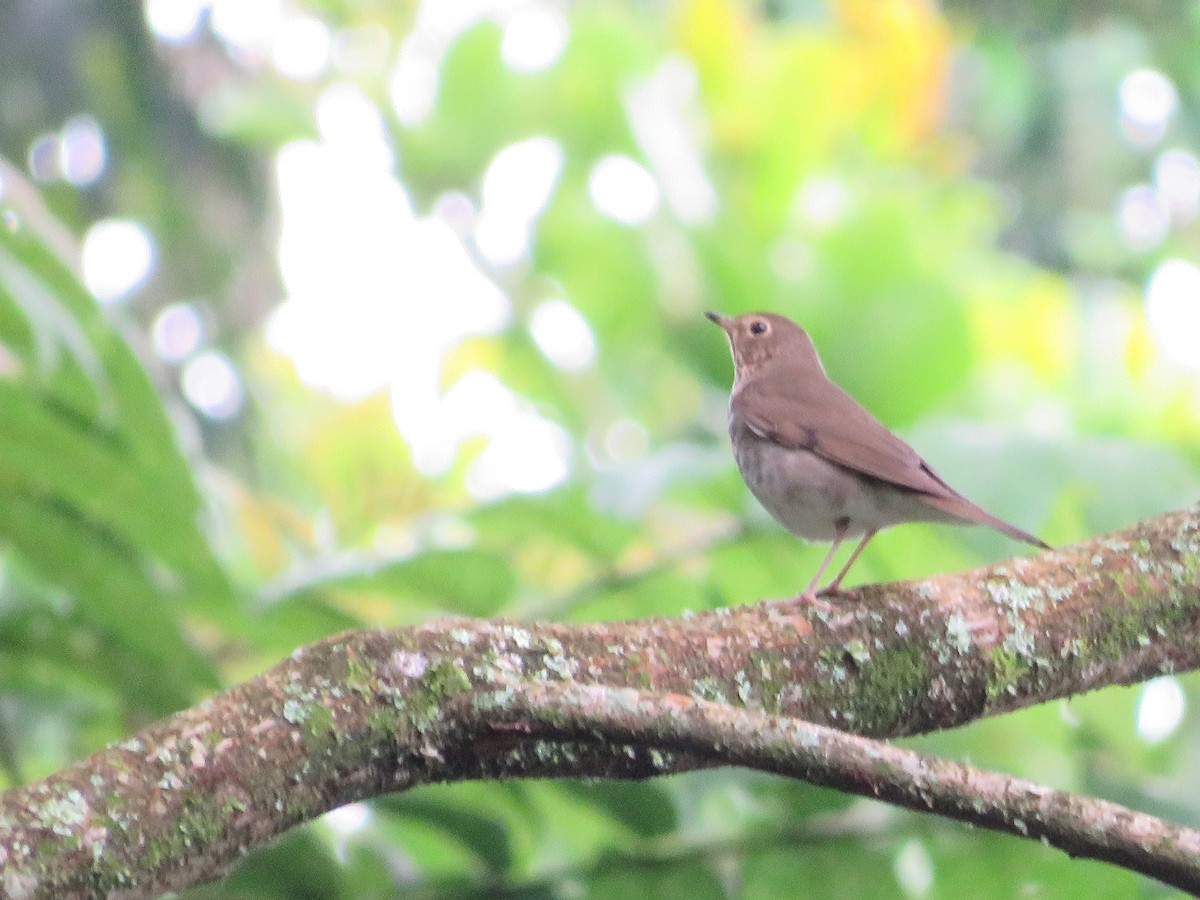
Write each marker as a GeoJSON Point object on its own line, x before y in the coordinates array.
{"type": "Point", "coordinates": [819, 462]}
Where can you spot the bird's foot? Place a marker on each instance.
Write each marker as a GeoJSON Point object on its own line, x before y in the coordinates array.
{"type": "Point", "coordinates": [817, 600]}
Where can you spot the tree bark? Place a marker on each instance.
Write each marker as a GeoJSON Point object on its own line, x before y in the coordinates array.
{"type": "Point", "coordinates": [366, 713]}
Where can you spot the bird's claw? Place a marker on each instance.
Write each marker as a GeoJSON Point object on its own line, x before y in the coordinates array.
{"type": "Point", "coordinates": [817, 600]}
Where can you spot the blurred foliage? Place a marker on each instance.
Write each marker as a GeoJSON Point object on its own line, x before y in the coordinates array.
{"type": "Point", "coordinates": [929, 192]}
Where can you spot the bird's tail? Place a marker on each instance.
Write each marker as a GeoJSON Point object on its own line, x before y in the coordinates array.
{"type": "Point", "coordinates": [967, 511]}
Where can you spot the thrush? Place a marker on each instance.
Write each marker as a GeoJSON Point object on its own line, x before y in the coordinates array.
{"type": "Point", "coordinates": [823, 466]}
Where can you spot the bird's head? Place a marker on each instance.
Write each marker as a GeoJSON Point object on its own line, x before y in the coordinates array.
{"type": "Point", "coordinates": [760, 340]}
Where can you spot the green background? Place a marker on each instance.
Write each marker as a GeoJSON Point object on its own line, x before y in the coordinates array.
{"type": "Point", "coordinates": [968, 282]}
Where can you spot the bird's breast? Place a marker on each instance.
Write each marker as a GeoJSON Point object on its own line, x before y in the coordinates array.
{"type": "Point", "coordinates": [803, 492]}
{"type": "Point", "coordinates": [808, 495]}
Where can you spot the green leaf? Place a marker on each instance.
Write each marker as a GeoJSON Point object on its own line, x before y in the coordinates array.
{"type": "Point", "coordinates": [96, 499]}
{"type": "Point", "coordinates": [485, 835]}
{"type": "Point", "coordinates": [45, 450]}
{"type": "Point", "coordinates": [645, 808]}
{"type": "Point", "coordinates": [131, 613]}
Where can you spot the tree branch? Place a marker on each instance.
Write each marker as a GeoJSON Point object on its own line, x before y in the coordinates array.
{"type": "Point", "coordinates": [370, 712]}
{"type": "Point", "coordinates": [723, 735]}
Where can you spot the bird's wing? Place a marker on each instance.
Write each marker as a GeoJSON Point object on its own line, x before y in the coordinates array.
{"type": "Point", "coordinates": [820, 417]}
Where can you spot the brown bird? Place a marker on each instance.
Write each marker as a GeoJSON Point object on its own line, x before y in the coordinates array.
{"type": "Point", "coordinates": [822, 465]}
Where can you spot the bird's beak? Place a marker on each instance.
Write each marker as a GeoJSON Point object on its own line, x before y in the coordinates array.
{"type": "Point", "coordinates": [721, 320]}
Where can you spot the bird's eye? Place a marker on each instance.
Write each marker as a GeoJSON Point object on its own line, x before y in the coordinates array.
{"type": "Point", "coordinates": [758, 326]}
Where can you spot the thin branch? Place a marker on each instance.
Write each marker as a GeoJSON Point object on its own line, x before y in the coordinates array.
{"type": "Point", "coordinates": [371, 712]}
{"type": "Point", "coordinates": [722, 735]}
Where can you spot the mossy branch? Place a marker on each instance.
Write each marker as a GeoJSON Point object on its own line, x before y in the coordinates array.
{"type": "Point", "coordinates": [366, 713]}
{"type": "Point", "coordinates": [725, 735]}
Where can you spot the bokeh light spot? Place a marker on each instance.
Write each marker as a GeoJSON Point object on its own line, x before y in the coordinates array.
{"type": "Point", "coordinates": [913, 869]}
{"type": "Point", "coordinates": [663, 111]}
{"type": "Point", "coordinates": [1177, 178]}
{"type": "Point", "coordinates": [177, 332]}
{"type": "Point", "coordinates": [301, 47]}
{"type": "Point", "coordinates": [246, 24]}
{"type": "Point", "coordinates": [45, 157]}
{"type": "Point", "coordinates": [349, 122]}
{"type": "Point", "coordinates": [623, 190]}
{"type": "Point", "coordinates": [1160, 709]}
{"type": "Point", "coordinates": [1148, 99]}
{"type": "Point", "coordinates": [118, 256]}
{"type": "Point", "coordinates": [1173, 309]}
{"type": "Point", "coordinates": [349, 819]}
{"type": "Point", "coordinates": [378, 298]}
{"type": "Point", "coordinates": [83, 151]}
{"type": "Point", "coordinates": [563, 335]}
{"type": "Point", "coordinates": [212, 385]}
{"type": "Point", "coordinates": [174, 21]}
{"type": "Point", "coordinates": [534, 39]}
{"type": "Point", "coordinates": [526, 454]}
{"type": "Point", "coordinates": [517, 185]}
{"type": "Point", "coordinates": [413, 85]}
{"type": "Point", "coordinates": [1143, 217]}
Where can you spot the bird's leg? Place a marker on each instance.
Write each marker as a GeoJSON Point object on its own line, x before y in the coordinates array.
{"type": "Point", "coordinates": [840, 528]}
{"type": "Point", "coordinates": [832, 587]}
